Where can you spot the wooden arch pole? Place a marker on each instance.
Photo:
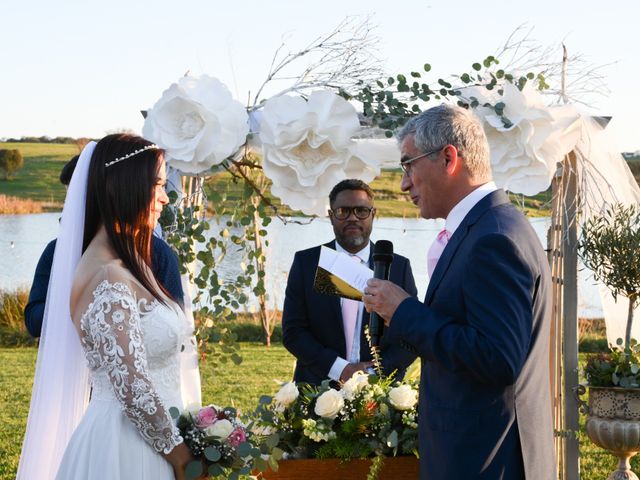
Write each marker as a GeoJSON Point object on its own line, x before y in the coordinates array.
{"type": "Point", "coordinates": [563, 259]}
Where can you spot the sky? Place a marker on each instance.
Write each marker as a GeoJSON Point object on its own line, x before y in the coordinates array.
{"type": "Point", "coordinates": [87, 68]}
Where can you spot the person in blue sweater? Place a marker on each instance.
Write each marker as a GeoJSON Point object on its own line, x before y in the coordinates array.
{"type": "Point", "coordinates": [165, 268]}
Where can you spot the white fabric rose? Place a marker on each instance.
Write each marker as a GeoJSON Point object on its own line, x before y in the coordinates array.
{"type": "Point", "coordinates": [198, 124]}
{"type": "Point", "coordinates": [329, 404]}
{"type": "Point", "coordinates": [307, 148]}
{"type": "Point", "coordinates": [221, 429]}
{"type": "Point", "coordinates": [524, 154]}
{"type": "Point", "coordinates": [403, 397]}
{"type": "Point", "coordinates": [287, 394]}
{"type": "Point", "coordinates": [355, 384]}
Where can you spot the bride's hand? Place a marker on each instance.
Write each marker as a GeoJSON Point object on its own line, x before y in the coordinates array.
{"type": "Point", "coordinates": [179, 458]}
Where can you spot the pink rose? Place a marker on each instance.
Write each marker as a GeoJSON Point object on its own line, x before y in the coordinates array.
{"type": "Point", "coordinates": [237, 437]}
{"type": "Point", "coordinates": [206, 417]}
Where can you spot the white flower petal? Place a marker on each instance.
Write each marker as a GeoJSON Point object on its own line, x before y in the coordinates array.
{"type": "Point", "coordinates": [524, 155]}
{"type": "Point", "coordinates": [307, 148]}
{"type": "Point", "coordinates": [198, 123]}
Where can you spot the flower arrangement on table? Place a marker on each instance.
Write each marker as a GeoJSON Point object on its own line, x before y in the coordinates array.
{"type": "Point", "coordinates": [368, 417]}
{"type": "Point", "coordinates": [218, 439]}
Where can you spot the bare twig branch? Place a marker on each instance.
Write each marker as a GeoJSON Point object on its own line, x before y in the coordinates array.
{"type": "Point", "coordinates": [584, 81]}
{"type": "Point", "coordinates": [340, 60]}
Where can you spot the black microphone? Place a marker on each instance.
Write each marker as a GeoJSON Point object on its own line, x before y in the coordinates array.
{"type": "Point", "coordinates": [382, 258]}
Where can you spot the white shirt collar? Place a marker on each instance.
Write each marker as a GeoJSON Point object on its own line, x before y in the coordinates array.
{"type": "Point", "coordinates": [464, 206]}
{"type": "Point", "coordinates": [362, 254]}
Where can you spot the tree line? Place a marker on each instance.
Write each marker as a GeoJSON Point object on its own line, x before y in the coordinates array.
{"type": "Point", "coordinates": [46, 139]}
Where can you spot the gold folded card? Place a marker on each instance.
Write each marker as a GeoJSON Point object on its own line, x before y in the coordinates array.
{"type": "Point", "coordinates": [337, 274]}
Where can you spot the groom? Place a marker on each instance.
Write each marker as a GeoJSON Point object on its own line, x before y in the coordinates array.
{"type": "Point", "coordinates": [482, 332]}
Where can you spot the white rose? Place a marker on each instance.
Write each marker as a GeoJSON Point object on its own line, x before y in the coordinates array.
{"type": "Point", "coordinates": [355, 384]}
{"type": "Point", "coordinates": [329, 404]}
{"type": "Point", "coordinates": [403, 397]}
{"type": "Point", "coordinates": [307, 148]}
{"type": "Point", "coordinates": [198, 123]}
{"type": "Point", "coordinates": [524, 154]}
{"type": "Point", "coordinates": [221, 429]}
{"type": "Point", "coordinates": [287, 394]}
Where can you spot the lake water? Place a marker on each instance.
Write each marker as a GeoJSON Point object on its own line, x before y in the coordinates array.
{"type": "Point", "coordinates": [23, 237]}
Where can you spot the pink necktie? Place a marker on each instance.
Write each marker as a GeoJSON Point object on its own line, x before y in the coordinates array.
{"type": "Point", "coordinates": [436, 249]}
{"type": "Point", "coordinates": [350, 317]}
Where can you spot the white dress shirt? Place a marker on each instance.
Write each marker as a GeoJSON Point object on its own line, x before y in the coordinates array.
{"type": "Point", "coordinates": [464, 206]}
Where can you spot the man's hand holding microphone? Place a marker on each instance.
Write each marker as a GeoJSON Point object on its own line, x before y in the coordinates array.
{"type": "Point", "coordinates": [381, 297]}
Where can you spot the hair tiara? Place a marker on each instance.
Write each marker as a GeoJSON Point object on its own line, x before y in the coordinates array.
{"type": "Point", "coordinates": [129, 155]}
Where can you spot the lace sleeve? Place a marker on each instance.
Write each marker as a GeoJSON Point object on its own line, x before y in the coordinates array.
{"type": "Point", "coordinates": [111, 334]}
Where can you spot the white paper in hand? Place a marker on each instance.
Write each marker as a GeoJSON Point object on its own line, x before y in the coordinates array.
{"type": "Point", "coordinates": [338, 274]}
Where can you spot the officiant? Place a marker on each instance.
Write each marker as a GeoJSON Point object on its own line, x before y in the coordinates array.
{"type": "Point", "coordinates": [326, 333]}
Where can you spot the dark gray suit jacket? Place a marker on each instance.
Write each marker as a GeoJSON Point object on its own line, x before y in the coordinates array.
{"type": "Point", "coordinates": [483, 336]}
{"type": "Point", "coordinates": [312, 328]}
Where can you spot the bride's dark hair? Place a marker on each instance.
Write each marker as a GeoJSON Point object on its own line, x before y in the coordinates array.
{"type": "Point", "coordinates": [119, 197]}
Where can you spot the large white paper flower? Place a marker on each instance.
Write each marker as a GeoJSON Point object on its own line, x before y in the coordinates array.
{"type": "Point", "coordinates": [307, 148]}
{"type": "Point", "coordinates": [198, 123]}
{"type": "Point", "coordinates": [524, 155]}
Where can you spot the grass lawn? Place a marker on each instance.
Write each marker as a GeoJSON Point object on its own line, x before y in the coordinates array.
{"type": "Point", "coordinates": [38, 180]}
{"type": "Point", "coordinates": [240, 386]}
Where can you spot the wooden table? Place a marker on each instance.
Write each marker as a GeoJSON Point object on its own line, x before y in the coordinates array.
{"type": "Point", "coordinates": [394, 468]}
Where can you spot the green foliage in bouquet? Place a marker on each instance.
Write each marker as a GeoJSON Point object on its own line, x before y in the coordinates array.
{"type": "Point", "coordinates": [609, 246]}
{"type": "Point", "coordinates": [369, 416]}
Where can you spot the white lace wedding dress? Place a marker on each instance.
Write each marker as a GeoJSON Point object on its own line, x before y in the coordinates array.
{"type": "Point", "coordinates": [133, 349]}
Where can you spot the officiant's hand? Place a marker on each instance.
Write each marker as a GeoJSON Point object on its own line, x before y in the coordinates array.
{"type": "Point", "coordinates": [383, 297]}
{"type": "Point", "coordinates": [351, 368]}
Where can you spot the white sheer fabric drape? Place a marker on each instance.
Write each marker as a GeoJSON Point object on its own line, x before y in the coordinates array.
{"type": "Point", "coordinates": [189, 367]}
{"type": "Point", "coordinates": [605, 179]}
{"type": "Point", "coordinates": [61, 383]}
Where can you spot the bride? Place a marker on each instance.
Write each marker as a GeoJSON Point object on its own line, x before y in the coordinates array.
{"type": "Point", "coordinates": [131, 332]}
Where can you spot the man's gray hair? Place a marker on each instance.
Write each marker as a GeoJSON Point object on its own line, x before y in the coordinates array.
{"type": "Point", "coordinates": [447, 124]}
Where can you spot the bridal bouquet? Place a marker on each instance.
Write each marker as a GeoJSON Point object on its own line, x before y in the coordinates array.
{"type": "Point", "coordinates": [219, 440]}
{"type": "Point", "coordinates": [368, 416]}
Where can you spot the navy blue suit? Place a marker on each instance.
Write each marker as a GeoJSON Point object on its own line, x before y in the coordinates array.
{"type": "Point", "coordinates": [482, 334]}
{"type": "Point", "coordinates": [312, 328]}
{"type": "Point", "coordinates": [165, 267]}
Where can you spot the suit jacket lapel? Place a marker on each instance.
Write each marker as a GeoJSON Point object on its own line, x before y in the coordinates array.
{"type": "Point", "coordinates": [491, 200]}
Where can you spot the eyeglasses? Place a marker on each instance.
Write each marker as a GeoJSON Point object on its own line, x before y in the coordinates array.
{"type": "Point", "coordinates": [406, 165]}
{"type": "Point", "coordinates": [342, 213]}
